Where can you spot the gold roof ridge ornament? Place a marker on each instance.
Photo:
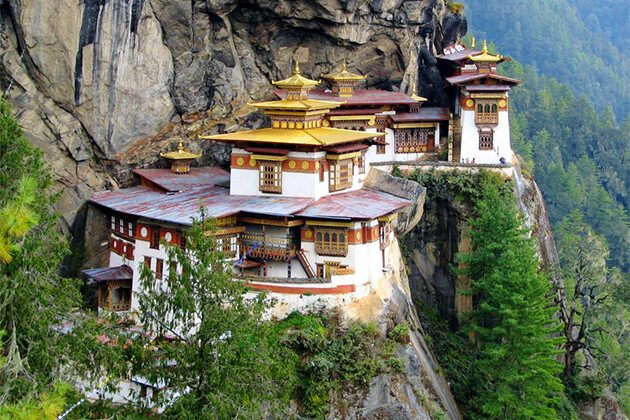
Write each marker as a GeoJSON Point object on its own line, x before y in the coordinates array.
{"type": "Point", "coordinates": [343, 75]}
{"type": "Point", "coordinates": [415, 97]}
{"type": "Point", "coordinates": [296, 81]}
{"type": "Point", "coordinates": [485, 56]}
{"type": "Point", "coordinates": [180, 159]}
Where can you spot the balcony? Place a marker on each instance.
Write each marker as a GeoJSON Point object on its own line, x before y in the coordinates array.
{"type": "Point", "coordinates": [267, 247]}
{"type": "Point", "coordinates": [492, 119]}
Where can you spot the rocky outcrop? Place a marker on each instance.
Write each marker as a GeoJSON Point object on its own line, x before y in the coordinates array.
{"type": "Point", "coordinates": [101, 85]}
{"type": "Point", "coordinates": [431, 247]}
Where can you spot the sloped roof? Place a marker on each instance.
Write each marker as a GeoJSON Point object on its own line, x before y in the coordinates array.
{"type": "Point", "coordinates": [308, 137]}
{"type": "Point", "coordinates": [363, 204]}
{"type": "Point", "coordinates": [197, 177]}
{"type": "Point", "coordinates": [424, 114]}
{"type": "Point", "coordinates": [101, 275]}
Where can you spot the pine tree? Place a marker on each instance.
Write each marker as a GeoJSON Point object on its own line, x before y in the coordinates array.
{"type": "Point", "coordinates": [221, 357]}
{"type": "Point", "coordinates": [33, 297]}
{"type": "Point", "coordinates": [512, 322]}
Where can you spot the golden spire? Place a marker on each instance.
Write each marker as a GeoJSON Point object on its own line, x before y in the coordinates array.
{"type": "Point", "coordinates": [344, 75]}
{"type": "Point", "coordinates": [473, 43]}
{"type": "Point", "coordinates": [180, 154]}
{"type": "Point", "coordinates": [296, 81]}
{"type": "Point", "coordinates": [417, 98]}
{"type": "Point", "coordinates": [343, 81]}
{"type": "Point", "coordinates": [180, 159]}
{"type": "Point", "coordinates": [485, 56]}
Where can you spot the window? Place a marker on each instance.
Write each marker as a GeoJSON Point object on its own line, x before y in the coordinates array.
{"type": "Point", "coordinates": [340, 174]}
{"type": "Point", "coordinates": [228, 244]}
{"type": "Point", "coordinates": [159, 268]}
{"type": "Point", "coordinates": [147, 262]}
{"type": "Point", "coordinates": [361, 163]}
{"type": "Point", "coordinates": [123, 228]}
{"type": "Point", "coordinates": [486, 140]}
{"type": "Point", "coordinates": [331, 242]}
{"type": "Point", "coordinates": [380, 149]}
{"type": "Point", "coordinates": [155, 238]}
{"type": "Point", "coordinates": [487, 112]}
{"type": "Point", "coordinates": [414, 140]}
{"type": "Point", "coordinates": [270, 174]}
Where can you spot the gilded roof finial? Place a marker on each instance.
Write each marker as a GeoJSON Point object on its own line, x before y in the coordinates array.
{"type": "Point", "coordinates": [473, 43]}
{"type": "Point", "coordinates": [180, 146]}
{"type": "Point", "coordinates": [343, 65]}
{"type": "Point", "coordinates": [415, 96]}
{"type": "Point", "coordinates": [296, 67]}
{"type": "Point", "coordinates": [485, 46]}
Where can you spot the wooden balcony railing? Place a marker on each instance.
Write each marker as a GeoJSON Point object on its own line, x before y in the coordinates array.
{"type": "Point", "coordinates": [486, 118]}
{"type": "Point", "coordinates": [121, 306]}
{"type": "Point", "coordinates": [268, 247]}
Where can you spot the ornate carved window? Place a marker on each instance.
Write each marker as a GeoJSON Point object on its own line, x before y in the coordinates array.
{"type": "Point", "coordinates": [331, 242]}
{"type": "Point", "coordinates": [270, 175]}
{"type": "Point", "coordinates": [413, 140]}
{"type": "Point", "coordinates": [487, 112]}
{"type": "Point", "coordinates": [486, 140]}
{"type": "Point", "coordinates": [340, 174]}
{"type": "Point", "coordinates": [361, 163]}
{"type": "Point", "coordinates": [380, 149]}
{"type": "Point", "coordinates": [228, 244]}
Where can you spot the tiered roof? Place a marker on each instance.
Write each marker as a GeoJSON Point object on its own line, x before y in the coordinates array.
{"type": "Point", "coordinates": [297, 118]}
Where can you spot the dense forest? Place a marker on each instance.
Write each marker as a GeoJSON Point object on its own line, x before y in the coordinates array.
{"type": "Point", "coordinates": [578, 42]}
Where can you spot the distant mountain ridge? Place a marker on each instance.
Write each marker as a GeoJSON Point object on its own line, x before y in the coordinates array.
{"type": "Point", "coordinates": [579, 42]}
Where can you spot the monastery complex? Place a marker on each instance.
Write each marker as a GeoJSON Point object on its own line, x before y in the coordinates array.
{"type": "Point", "coordinates": [301, 213]}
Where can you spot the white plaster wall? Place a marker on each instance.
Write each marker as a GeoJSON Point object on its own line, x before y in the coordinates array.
{"type": "Point", "coordinates": [470, 140]}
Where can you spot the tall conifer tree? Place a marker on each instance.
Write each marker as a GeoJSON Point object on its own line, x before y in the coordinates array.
{"type": "Point", "coordinates": [512, 323]}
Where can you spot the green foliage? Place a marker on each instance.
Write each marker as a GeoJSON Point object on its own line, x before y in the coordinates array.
{"type": "Point", "coordinates": [333, 357]}
{"type": "Point", "coordinates": [223, 352]}
{"type": "Point", "coordinates": [515, 372]}
{"type": "Point", "coordinates": [452, 349]}
{"type": "Point", "coordinates": [580, 158]}
{"type": "Point", "coordinates": [459, 185]}
{"type": "Point", "coordinates": [597, 318]}
{"type": "Point", "coordinates": [578, 42]}
{"type": "Point", "coordinates": [34, 297]}
{"type": "Point", "coordinates": [400, 333]}
{"type": "Point", "coordinates": [46, 407]}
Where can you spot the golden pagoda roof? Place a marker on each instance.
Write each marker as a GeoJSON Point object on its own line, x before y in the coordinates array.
{"type": "Point", "coordinates": [323, 136]}
{"type": "Point", "coordinates": [180, 154]}
{"type": "Point", "coordinates": [485, 56]}
{"type": "Point", "coordinates": [416, 97]}
{"type": "Point", "coordinates": [296, 81]}
{"type": "Point", "coordinates": [344, 75]}
{"type": "Point", "coordinates": [297, 105]}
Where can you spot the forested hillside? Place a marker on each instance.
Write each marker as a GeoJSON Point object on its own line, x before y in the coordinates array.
{"type": "Point", "coordinates": [579, 42]}
{"type": "Point", "coordinates": [581, 159]}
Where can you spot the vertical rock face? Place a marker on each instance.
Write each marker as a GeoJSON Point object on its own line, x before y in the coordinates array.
{"type": "Point", "coordinates": [431, 247]}
{"type": "Point", "coordinates": [100, 85]}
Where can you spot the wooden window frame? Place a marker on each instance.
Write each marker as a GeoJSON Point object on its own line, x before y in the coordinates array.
{"type": "Point", "coordinates": [159, 268]}
{"type": "Point", "coordinates": [381, 149]}
{"type": "Point", "coordinates": [331, 242]}
{"type": "Point", "coordinates": [487, 111]}
{"type": "Point", "coordinates": [228, 244]}
{"type": "Point", "coordinates": [413, 140]}
{"type": "Point", "coordinates": [154, 240]}
{"type": "Point", "coordinates": [486, 140]}
{"type": "Point", "coordinates": [340, 174]}
{"type": "Point", "coordinates": [361, 163]}
{"type": "Point", "coordinates": [270, 177]}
